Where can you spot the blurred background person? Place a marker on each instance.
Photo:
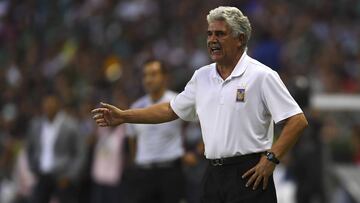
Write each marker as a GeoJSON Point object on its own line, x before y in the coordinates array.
{"type": "Point", "coordinates": [56, 154]}
{"type": "Point", "coordinates": [109, 162]}
{"type": "Point", "coordinates": [194, 162]}
{"type": "Point", "coordinates": [23, 177]}
{"type": "Point", "coordinates": [87, 129]}
{"type": "Point", "coordinates": [108, 165]}
{"type": "Point", "coordinates": [157, 149]}
{"type": "Point", "coordinates": [306, 163]}
{"type": "Point", "coordinates": [8, 189]}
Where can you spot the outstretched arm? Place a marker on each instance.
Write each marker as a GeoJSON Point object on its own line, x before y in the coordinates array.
{"type": "Point", "coordinates": [109, 115]}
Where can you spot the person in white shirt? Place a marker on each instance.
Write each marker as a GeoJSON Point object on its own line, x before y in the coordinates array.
{"type": "Point", "coordinates": [157, 148]}
{"type": "Point", "coordinates": [237, 100]}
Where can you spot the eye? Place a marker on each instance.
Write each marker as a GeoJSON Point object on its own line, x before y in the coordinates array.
{"type": "Point", "coordinates": [220, 33]}
{"type": "Point", "coordinates": [209, 33]}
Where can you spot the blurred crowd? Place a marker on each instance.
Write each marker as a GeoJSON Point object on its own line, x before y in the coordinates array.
{"type": "Point", "coordinates": [86, 51]}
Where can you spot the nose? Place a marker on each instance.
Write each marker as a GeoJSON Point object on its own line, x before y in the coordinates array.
{"type": "Point", "coordinates": [212, 37]}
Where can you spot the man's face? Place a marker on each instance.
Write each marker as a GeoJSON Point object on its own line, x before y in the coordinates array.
{"type": "Point", "coordinates": [153, 77]}
{"type": "Point", "coordinates": [222, 46]}
{"type": "Point", "coordinates": [50, 106]}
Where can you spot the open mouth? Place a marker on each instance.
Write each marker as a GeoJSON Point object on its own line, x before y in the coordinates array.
{"type": "Point", "coordinates": [215, 48]}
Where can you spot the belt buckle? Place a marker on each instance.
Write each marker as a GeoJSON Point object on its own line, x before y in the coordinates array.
{"type": "Point", "coordinates": [218, 162]}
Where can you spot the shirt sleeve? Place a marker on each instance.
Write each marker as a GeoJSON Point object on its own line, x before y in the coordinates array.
{"type": "Point", "coordinates": [277, 98]}
{"type": "Point", "coordinates": [184, 103]}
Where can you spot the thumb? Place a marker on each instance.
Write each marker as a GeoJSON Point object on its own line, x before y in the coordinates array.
{"type": "Point", "coordinates": [108, 106]}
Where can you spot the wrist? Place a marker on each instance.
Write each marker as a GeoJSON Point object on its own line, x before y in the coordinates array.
{"type": "Point", "coordinates": [126, 116]}
{"type": "Point", "coordinates": [271, 156]}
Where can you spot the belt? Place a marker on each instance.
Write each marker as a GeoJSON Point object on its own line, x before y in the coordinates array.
{"type": "Point", "coordinates": [234, 159]}
{"type": "Point", "coordinates": [163, 164]}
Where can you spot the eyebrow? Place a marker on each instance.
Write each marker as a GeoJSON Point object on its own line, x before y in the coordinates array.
{"type": "Point", "coordinates": [216, 32]}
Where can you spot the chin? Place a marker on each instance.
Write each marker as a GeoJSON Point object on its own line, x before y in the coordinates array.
{"type": "Point", "coordinates": [216, 59]}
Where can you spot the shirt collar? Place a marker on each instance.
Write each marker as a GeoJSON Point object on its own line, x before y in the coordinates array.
{"type": "Point", "coordinates": [59, 117]}
{"type": "Point", "coordinates": [238, 70]}
{"type": "Point", "coordinates": [161, 99]}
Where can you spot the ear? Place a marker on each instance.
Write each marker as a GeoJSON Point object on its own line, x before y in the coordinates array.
{"type": "Point", "coordinates": [241, 40]}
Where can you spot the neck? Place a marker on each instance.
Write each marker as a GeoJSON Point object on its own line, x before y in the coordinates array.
{"type": "Point", "coordinates": [51, 117]}
{"type": "Point", "coordinates": [156, 95]}
{"type": "Point", "coordinates": [225, 68]}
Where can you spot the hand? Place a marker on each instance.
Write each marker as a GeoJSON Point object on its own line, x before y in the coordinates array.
{"type": "Point", "coordinates": [261, 172]}
{"type": "Point", "coordinates": [107, 115]}
{"type": "Point", "coordinates": [190, 159]}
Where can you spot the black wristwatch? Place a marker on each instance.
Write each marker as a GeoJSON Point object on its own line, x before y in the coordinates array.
{"type": "Point", "coordinates": [271, 157]}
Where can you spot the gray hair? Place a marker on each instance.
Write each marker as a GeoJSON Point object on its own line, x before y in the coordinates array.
{"type": "Point", "coordinates": [238, 22]}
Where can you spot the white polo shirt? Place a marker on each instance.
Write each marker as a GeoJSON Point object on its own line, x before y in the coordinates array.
{"type": "Point", "coordinates": [236, 115]}
{"type": "Point", "coordinates": [156, 142]}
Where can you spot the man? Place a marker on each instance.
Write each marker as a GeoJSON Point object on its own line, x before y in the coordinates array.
{"type": "Point", "coordinates": [56, 154]}
{"type": "Point", "coordinates": [108, 165]}
{"type": "Point", "coordinates": [159, 148]}
{"type": "Point", "coordinates": [236, 100]}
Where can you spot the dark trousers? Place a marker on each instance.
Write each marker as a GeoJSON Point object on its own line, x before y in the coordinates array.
{"type": "Point", "coordinates": [224, 184]}
{"type": "Point", "coordinates": [104, 193]}
{"type": "Point", "coordinates": [47, 187]}
{"type": "Point", "coordinates": [159, 184]}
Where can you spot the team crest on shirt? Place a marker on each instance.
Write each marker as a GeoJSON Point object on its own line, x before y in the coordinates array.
{"type": "Point", "coordinates": [240, 95]}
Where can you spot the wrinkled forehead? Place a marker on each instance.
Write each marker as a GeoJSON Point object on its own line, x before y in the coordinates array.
{"type": "Point", "coordinates": [218, 25]}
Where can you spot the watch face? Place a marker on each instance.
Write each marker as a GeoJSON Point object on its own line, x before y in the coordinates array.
{"type": "Point", "coordinates": [271, 156]}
